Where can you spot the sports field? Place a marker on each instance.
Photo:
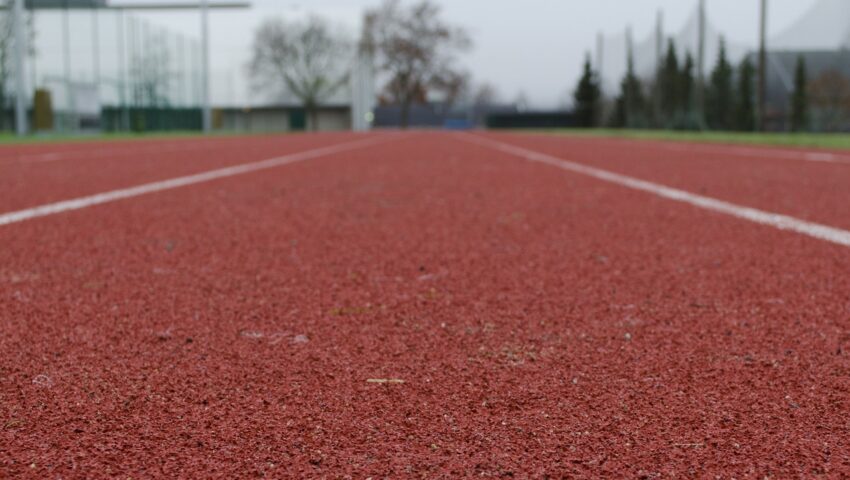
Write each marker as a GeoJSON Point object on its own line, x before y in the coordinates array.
{"type": "Point", "coordinates": [423, 305]}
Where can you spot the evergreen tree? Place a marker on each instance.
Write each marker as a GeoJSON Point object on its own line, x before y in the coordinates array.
{"type": "Point", "coordinates": [799, 99]}
{"type": "Point", "coordinates": [745, 109]}
{"type": "Point", "coordinates": [587, 96]}
{"type": "Point", "coordinates": [686, 85]}
{"type": "Point", "coordinates": [618, 116]}
{"type": "Point", "coordinates": [686, 93]}
{"type": "Point", "coordinates": [630, 107]}
{"type": "Point", "coordinates": [668, 85]}
{"type": "Point", "coordinates": [719, 95]}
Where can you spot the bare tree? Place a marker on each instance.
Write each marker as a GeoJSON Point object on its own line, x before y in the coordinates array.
{"type": "Point", "coordinates": [152, 78]}
{"type": "Point", "coordinates": [829, 94]}
{"type": "Point", "coordinates": [416, 51]}
{"type": "Point", "coordinates": [306, 60]}
{"type": "Point", "coordinates": [481, 99]}
{"type": "Point", "coordinates": [454, 86]}
{"type": "Point", "coordinates": [521, 101]}
{"type": "Point", "coordinates": [484, 95]}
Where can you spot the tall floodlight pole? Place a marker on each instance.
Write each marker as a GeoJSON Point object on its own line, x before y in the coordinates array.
{"type": "Point", "coordinates": [132, 64]}
{"type": "Point", "coordinates": [600, 56]}
{"type": "Point", "coordinates": [659, 38]}
{"type": "Point", "coordinates": [194, 74]}
{"type": "Point", "coordinates": [205, 67]}
{"type": "Point", "coordinates": [762, 84]}
{"type": "Point", "coordinates": [659, 53]}
{"type": "Point", "coordinates": [20, 84]}
{"type": "Point", "coordinates": [31, 52]}
{"type": "Point", "coordinates": [630, 65]}
{"type": "Point", "coordinates": [70, 104]}
{"type": "Point", "coordinates": [181, 69]}
{"type": "Point", "coordinates": [122, 75]}
{"type": "Point", "coordinates": [95, 40]}
{"type": "Point", "coordinates": [362, 90]}
{"type": "Point", "coordinates": [356, 93]}
{"type": "Point", "coordinates": [144, 48]}
{"type": "Point", "coordinates": [699, 92]}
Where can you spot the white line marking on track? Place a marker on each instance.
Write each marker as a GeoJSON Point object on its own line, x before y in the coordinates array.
{"type": "Point", "coordinates": [770, 153]}
{"type": "Point", "coordinates": [776, 220]}
{"type": "Point", "coordinates": [111, 196]}
{"type": "Point", "coordinates": [111, 152]}
{"type": "Point", "coordinates": [729, 150]}
{"type": "Point", "coordinates": [117, 151]}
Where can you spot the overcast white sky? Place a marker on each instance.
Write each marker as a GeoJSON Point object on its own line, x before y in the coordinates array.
{"type": "Point", "coordinates": [530, 46]}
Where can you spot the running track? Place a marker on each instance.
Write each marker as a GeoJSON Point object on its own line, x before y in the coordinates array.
{"type": "Point", "coordinates": [409, 305]}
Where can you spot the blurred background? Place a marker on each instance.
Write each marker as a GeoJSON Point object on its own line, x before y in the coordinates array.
{"type": "Point", "coordinates": [102, 66]}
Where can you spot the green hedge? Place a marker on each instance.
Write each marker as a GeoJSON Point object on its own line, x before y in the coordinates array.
{"type": "Point", "coordinates": [150, 119]}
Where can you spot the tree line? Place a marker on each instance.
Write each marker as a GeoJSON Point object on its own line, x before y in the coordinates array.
{"type": "Point", "coordinates": [675, 99]}
{"type": "Point", "coordinates": [410, 46]}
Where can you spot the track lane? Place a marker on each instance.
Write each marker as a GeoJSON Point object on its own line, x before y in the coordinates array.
{"type": "Point", "coordinates": [543, 323]}
{"type": "Point", "coordinates": [724, 150]}
{"type": "Point", "coordinates": [79, 203]}
{"type": "Point", "coordinates": [71, 150]}
{"type": "Point", "coordinates": [32, 183]}
{"type": "Point", "coordinates": [814, 191]}
{"type": "Point", "coordinates": [771, 219]}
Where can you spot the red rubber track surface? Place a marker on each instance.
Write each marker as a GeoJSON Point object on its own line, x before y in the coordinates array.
{"type": "Point", "coordinates": [542, 322]}
{"type": "Point", "coordinates": [72, 170]}
{"type": "Point", "coordinates": [809, 190]}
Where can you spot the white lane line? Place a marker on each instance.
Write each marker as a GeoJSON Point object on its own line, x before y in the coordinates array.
{"type": "Point", "coordinates": [113, 151]}
{"type": "Point", "coordinates": [776, 220]}
{"type": "Point", "coordinates": [730, 150]}
{"type": "Point", "coordinates": [111, 196]}
{"type": "Point", "coordinates": [806, 156]}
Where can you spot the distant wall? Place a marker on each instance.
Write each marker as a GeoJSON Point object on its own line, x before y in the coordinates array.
{"type": "Point", "coordinates": [148, 119]}
{"type": "Point", "coordinates": [389, 116]}
{"type": "Point", "coordinates": [531, 120]}
{"type": "Point", "coordinates": [338, 119]}
{"type": "Point", "coordinates": [283, 119]}
{"type": "Point", "coordinates": [254, 120]}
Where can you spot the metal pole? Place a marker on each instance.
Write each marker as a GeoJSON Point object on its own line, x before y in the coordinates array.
{"type": "Point", "coordinates": [122, 75]}
{"type": "Point", "coordinates": [192, 79]}
{"type": "Point", "coordinates": [95, 38]}
{"type": "Point", "coordinates": [600, 56]}
{"type": "Point", "coordinates": [630, 71]}
{"type": "Point", "coordinates": [357, 113]}
{"type": "Point", "coordinates": [174, 75]}
{"type": "Point", "coordinates": [762, 85]}
{"type": "Point", "coordinates": [31, 51]}
{"type": "Point", "coordinates": [70, 115]}
{"type": "Point", "coordinates": [368, 88]}
{"type": "Point", "coordinates": [163, 52]}
{"type": "Point", "coordinates": [181, 72]}
{"type": "Point", "coordinates": [132, 98]}
{"type": "Point", "coordinates": [144, 46]}
{"type": "Point", "coordinates": [20, 84]}
{"type": "Point", "coordinates": [196, 74]}
{"type": "Point", "coordinates": [205, 67]}
{"type": "Point", "coordinates": [699, 91]}
{"type": "Point", "coordinates": [659, 55]}
{"type": "Point", "coordinates": [659, 39]}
